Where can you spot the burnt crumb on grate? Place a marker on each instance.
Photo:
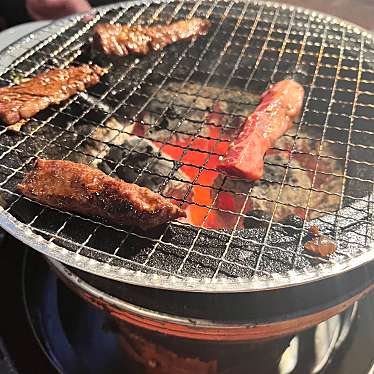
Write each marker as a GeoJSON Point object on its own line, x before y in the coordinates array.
{"type": "Point", "coordinates": [321, 245]}
{"type": "Point", "coordinates": [314, 230]}
{"type": "Point", "coordinates": [317, 243]}
{"type": "Point", "coordinates": [142, 89]}
{"type": "Point", "coordinates": [134, 156]}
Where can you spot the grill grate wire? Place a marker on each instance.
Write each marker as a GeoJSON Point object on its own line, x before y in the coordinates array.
{"type": "Point", "coordinates": [269, 43]}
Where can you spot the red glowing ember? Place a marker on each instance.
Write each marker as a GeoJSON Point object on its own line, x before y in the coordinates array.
{"type": "Point", "coordinates": [217, 201]}
{"type": "Point", "coordinates": [203, 158]}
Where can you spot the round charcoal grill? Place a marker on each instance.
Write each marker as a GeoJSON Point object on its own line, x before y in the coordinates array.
{"type": "Point", "coordinates": [249, 46]}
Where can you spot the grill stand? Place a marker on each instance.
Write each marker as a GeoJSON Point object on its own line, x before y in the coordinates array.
{"type": "Point", "coordinates": [157, 352]}
{"type": "Point", "coordinates": [162, 354]}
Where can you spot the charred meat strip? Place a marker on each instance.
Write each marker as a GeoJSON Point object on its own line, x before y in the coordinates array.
{"type": "Point", "coordinates": [30, 97]}
{"type": "Point", "coordinates": [84, 190]}
{"type": "Point", "coordinates": [122, 40]}
{"type": "Point", "coordinates": [279, 107]}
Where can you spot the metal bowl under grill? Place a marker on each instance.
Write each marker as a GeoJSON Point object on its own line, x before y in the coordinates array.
{"type": "Point", "coordinates": [177, 94]}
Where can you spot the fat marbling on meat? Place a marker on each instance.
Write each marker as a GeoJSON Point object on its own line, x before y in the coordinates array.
{"type": "Point", "coordinates": [279, 107]}
{"type": "Point", "coordinates": [84, 190]}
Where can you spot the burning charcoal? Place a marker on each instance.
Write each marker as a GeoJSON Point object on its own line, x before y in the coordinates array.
{"type": "Point", "coordinates": [257, 218]}
{"type": "Point", "coordinates": [294, 224]}
{"type": "Point", "coordinates": [318, 243]}
{"type": "Point", "coordinates": [267, 191]}
{"type": "Point", "coordinates": [276, 167]}
{"type": "Point", "coordinates": [181, 123]}
{"type": "Point", "coordinates": [170, 126]}
{"type": "Point", "coordinates": [139, 161]}
{"type": "Point", "coordinates": [99, 142]}
{"type": "Point", "coordinates": [132, 159]}
{"type": "Point", "coordinates": [231, 197]}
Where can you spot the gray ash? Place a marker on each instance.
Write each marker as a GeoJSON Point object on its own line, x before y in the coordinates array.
{"type": "Point", "coordinates": [134, 156]}
{"type": "Point", "coordinates": [133, 159]}
{"type": "Point", "coordinates": [139, 161]}
{"type": "Point", "coordinates": [189, 107]}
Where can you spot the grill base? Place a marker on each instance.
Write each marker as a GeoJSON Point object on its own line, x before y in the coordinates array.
{"type": "Point", "coordinates": [90, 329]}
{"type": "Point", "coordinates": [255, 316]}
{"type": "Point", "coordinates": [162, 354]}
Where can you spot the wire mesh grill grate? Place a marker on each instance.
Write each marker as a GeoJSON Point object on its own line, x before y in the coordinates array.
{"type": "Point", "coordinates": [164, 119]}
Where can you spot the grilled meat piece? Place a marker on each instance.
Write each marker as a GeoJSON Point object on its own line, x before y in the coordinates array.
{"type": "Point", "coordinates": [279, 107]}
{"type": "Point", "coordinates": [28, 98]}
{"type": "Point", "coordinates": [122, 40]}
{"type": "Point", "coordinates": [81, 189]}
